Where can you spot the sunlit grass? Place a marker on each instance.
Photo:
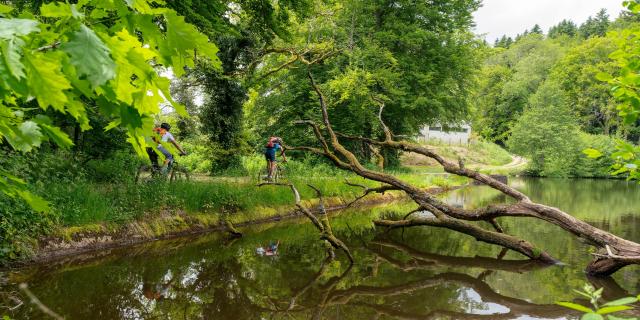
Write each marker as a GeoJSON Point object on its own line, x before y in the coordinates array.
{"type": "Point", "coordinates": [90, 202]}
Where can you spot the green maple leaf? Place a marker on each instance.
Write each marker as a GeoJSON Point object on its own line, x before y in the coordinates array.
{"type": "Point", "coordinates": [147, 99]}
{"type": "Point", "coordinates": [24, 137]}
{"type": "Point", "coordinates": [11, 55]}
{"type": "Point", "coordinates": [46, 81]}
{"type": "Point", "coordinates": [5, 8]}
{"type": "Point", "coordinates": [182, 39]}
{"type": "Point", "coordinates": [9, 82]}
{"type": "Point", "coordinates": [60, 10]}
{"type": "Point", "coordinates": [35, 202]}
{"type": "Point", "coordinates": [54, 133]}
{"type": "Point", "coordinates": [10, 28]}
{"type": "Point", "coordinates": [77, 110]}
{"type": "Point", "coordinates": [141, 6]}
{"type": "Point", "coordinates": [90, 56]}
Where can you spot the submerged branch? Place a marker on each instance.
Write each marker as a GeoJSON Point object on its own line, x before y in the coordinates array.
{"type": "Point", "coordinates": [322, 222]}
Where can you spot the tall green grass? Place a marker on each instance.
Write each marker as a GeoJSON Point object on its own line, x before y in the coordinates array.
{"type": "Point", "coordinates": [106, 193]}
{"type": "Point", "coordinates": [88, 202]}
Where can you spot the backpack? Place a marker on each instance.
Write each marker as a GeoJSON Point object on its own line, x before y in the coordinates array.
{"type": "Point", "coordinates": [272, 142]}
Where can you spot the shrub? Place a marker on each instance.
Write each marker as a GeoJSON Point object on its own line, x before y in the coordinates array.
{"type": "Point", "coordinates": [597, 168]}
{"type": "Point", "coordinates": [120, 167]}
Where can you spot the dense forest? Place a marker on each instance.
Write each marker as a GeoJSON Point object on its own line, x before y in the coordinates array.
{"type": "Point", "coordinates": [540, 97]}
{"type": "Point", "coordinates": [84, 83]}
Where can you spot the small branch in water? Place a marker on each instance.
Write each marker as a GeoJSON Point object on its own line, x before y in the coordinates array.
{"type": "Point", "coordinates": [40, 305]}
{"type": "Point", "coordinates": [322, 223]}
{"type": "Point", "coordinates": [232, 229]}
{"type": "Point", "coordinates": [611, 255]}
{"type": "Point", "coordinates": [412, 212]}
{"type": "Point", "coordinates": [367, 191]}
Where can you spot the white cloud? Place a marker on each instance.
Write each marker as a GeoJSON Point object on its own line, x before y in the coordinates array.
{"type": "Point", "coordinates": [499, 17]}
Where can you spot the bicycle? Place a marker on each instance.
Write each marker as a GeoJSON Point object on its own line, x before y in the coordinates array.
{"type": "Point", "coordinates": [177, 172]}
{"type": "Point", "coordinates": [278, 174]}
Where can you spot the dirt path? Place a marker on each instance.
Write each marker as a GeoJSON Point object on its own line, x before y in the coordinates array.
{"type": "Point", "coordinates": [516, 162]}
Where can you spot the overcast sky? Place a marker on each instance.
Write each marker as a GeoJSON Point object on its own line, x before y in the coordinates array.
{"type": "Point", "coordinates": [498, 17]}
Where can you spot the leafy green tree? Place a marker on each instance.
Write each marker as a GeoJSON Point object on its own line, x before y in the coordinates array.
{"type": "Point", "coordinates": [564, 28]}
{"type": "Point", "coordinates": [520, 70]}
{"type": "Point", "coordinates": [109, 52]}
{"type": "Point", "coordinates": [536, 29]}
{"type": "Point", "coordinates": [590, 98]}
{"type": "Point", "coordinates": [417, 58]}
{"type": "Point", "coordinates": [504, 42]}
{"type": "Point", "coordinates": [595, 26]}
{"type": "Point", "coordinates": [242, 28]}
{"type": "Point", "coordinates": [547, 133]}
{"type": "Point", "coordinates": [626, 88]}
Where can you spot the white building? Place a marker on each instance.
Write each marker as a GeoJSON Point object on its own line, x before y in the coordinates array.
{"type": "Point", "coordinates": [452, 134]}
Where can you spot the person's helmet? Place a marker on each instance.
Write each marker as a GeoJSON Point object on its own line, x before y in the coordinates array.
{"type": "Point", "coordinates": [165, 126]}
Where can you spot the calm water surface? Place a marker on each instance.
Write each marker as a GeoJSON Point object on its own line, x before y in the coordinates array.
{"type": "Point", "coordinates": [421, 273]}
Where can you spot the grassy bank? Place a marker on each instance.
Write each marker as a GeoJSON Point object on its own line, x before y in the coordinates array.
{"type": "Point", "coordinates": [106, 199]}
{"type": "Point", "coordinates": [475, 153]}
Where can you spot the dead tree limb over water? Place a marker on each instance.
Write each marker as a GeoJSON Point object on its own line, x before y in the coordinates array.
{"type": "Point", "coordinates": [321, 221]}
{"type": "Point", "coordinates": [621, 252]}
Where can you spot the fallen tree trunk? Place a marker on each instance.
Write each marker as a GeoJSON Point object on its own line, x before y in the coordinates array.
{"type": "Point", "coordinates": [621, 252]}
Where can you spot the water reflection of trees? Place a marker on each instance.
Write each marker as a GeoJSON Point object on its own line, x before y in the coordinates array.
{"type": "Point", "coordinates": [390, 280]}
{"type": "Point", "coordinates": [229, 295]}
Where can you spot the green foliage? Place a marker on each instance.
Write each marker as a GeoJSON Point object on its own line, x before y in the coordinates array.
{"type": "Point", "coordinates": [547, 133]}
{"type": "Point", "coordinates": [577, 60]}
{"type": "Point", "coordinates": [257, 24]}
{"type": "Point", "coordinates": [625, 87]}
{"type": "Point", "coordinates": [593, 165]}
{"type": "Point", "coordinates": [591, 99]}
{"type": "Point", "coordinates": [120, 167]}
{"type": "Point", "coordinates": [504, 42]}
{"type": "Point", "coordinates": [107, 52]}
{"type": "Point", "coordinates": [625, 82]}
{"type": "Point", "coordinates": [198, 159]}
{"type": "Point", "coordinates": [422, 71]}
{"type": "Point", "coordinates": [509, 78]}
{"type": "Point", "coordinates": [627, 160]}
{"type": "Point", "coordinates": [90, 56]}
{"type": "Point", "coordinates": [598, 311]}
{"type": "Point", "coordinates": [595, 26]}
{"type": "Point", "coordinates": [564, 28]}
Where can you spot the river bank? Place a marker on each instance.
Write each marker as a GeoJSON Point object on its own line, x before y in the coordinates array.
{"type": "Point", "coordinates": [84, 204]}
{"type": "Point", "coordinates": [75, 240]}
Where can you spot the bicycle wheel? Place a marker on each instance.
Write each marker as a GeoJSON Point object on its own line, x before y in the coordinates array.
{"type": "Point", "coordinates": [141, 170]}
{"type": "Point", "coordinates": [262, 175]}
{"type": "Point", "coordinates": [278, 174]}
{"type": "Point", "coordinates": [179, 172]}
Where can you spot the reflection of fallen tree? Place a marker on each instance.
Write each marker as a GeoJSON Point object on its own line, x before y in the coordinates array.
{"type": "Point", "coordinates": [438, 314]}
{"type": "Point", "coordinates": [519, 266]}
{"type": "Point", "coordinates": [516, 306]}
{"type": "Point", "coordinates": [363, 295]}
